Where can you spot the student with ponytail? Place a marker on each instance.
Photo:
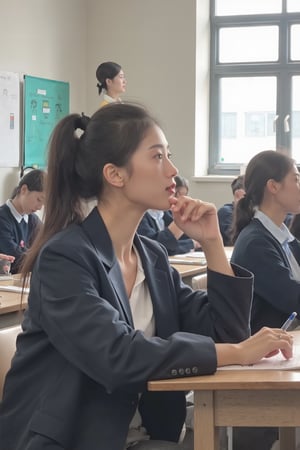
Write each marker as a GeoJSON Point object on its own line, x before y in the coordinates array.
{"type": "Point", "coordinates": [263, 243]}
{"type": "Point", "coordinates": [106, 311]}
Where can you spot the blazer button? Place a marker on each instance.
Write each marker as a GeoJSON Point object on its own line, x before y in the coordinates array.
{"type": "Point", "coordinates": [174, 372]}
{"type": "Point", "coordinates": [194, 370]}
{"type": "Point", "coordinates": [188, 371]}
{"type": "Point", "coordinates": [181, 371]}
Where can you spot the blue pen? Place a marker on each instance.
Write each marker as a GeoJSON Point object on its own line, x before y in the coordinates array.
{"type": "Point", "coordinates": [289, 321]}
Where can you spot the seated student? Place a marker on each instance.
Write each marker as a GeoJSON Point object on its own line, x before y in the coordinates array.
{"type": "Point", "coordinates": [106, 312]}
{"type": "Point", "coordinates": [18, 223]}
{"type": "Point", "coordinates": [160, 226]}
{"type": "Point", "coordinates": [295, 226]}
{"type": "Point", "coordinates": [265, 246]}
{"type": "Point", "coordinates": [182, 186]}
{"type": "Point", "coordinates": [225, 213]}
{"type": "Point", "coordinates": [5, 263]}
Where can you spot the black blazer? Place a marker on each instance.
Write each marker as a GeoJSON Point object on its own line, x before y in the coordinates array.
{"type": "Point", "coordinates": [80, 364]}
{"type": "Point", "coordinates": [276, 293]}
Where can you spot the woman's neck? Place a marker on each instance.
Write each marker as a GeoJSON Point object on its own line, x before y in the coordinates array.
{"type": "Point", "coordinates": [17, 204]}
{"type": "Point", "coordinates": [275, 214]}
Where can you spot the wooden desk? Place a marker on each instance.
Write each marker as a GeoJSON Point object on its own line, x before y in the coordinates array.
{"type": "Point", "coordinates": [188, 271]}
{"type": "Point", "coordinates": [268, 398]}
{"type": "Point", "coordinates": [11, 302]}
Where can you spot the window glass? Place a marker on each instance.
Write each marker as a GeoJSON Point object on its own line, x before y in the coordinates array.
{"type": "Point", "coordinates": [248, 44]}
{"type": "Point", "coordinates": [234, 7]}
{"type": "Point", "coordinates": [295, 119]}
{"type": "Point", "coordinates": [293, 6]}
{"type": "Point", "coordinates": [247, 117]}
{"type": "Point", "coordinates": [295, 40]}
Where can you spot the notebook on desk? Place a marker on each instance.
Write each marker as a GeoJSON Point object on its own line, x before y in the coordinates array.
{"type": "Point", "coordinates": [276, 362]}
{"type": "Point", "coordinates": [194, 258]}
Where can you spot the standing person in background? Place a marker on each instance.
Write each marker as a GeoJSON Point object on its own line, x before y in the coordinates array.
{"type": "Point", "coordinates": [225, 213]}
{"type": "Point", "coordinates": [18, 222]}
{"type": "Point", "coordinates": [106, 312]}
{"type": "Point", "coordinates": [112, 80]}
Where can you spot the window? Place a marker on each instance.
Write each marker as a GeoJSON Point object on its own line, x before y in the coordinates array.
{"type": "Point", "coordinates": [255, 81]}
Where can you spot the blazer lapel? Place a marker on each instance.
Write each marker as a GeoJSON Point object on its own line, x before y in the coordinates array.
{"type": "Point", "coordinates": [98, 235]}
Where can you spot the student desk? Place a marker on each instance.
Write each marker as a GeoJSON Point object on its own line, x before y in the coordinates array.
{"type": "Point", "coordinates": [11, 311]}
{"type": "Point", "coordinates": [188, 271]}
{"type": "Point", "coordinates": [268, 398]}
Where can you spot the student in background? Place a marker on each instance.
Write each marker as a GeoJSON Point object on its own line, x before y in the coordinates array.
{"type": "Point", "coordinates": [182, 186]}
{"type": "Point", "coordinates": [225, 213]}
{"type": "Point", "coordinates": [265, 246]}
{"type": "Point", "coordinates": [106, 311]}
{"type": "Point", "coordinates": [18, 222]}
{"type": "Point", "coordinates": [295, 226]}
{"type": "Point", "coordinates": [111, 80]}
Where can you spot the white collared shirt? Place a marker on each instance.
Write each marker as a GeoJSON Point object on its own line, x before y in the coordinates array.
{"type": "Point", "coordinates": [283, 236]}
{"type": "Point", "coordinates": [15, 213]}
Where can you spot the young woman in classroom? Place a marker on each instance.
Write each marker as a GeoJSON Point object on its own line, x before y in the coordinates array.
{"type": "Point", "coordinates": [263, 243]}
{"type": "Point", "coordinates": [106, 311]}
{"type": "Point", "coordinates": [111, 80]}
{"type": "Point", "coordinates": [18, 222]}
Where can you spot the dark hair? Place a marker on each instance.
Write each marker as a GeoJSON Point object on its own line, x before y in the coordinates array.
{"type": "Point", "coordinates": [106, 70]}
{"type": "Point", "coordinates": [75, 164]}
{"type": "Point", "coordinates": [295, 226]}
{"type": "Point", "coordinates": [34, 180]}
{"type": "Point", "coordinates": [181, 182]}
{"type": "Point", "coordinates": [238, 183]}
{"type": "Point", "coordinates": [264, 166]}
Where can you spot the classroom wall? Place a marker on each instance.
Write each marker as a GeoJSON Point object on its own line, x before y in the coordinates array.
{"type": "Point", "coordinates": [155, 41]}
{"type": "Point", "coordinates": [44, 38]}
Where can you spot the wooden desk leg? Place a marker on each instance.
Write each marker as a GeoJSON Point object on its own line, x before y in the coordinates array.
{"type": "Point", "coordinates": [205, 433]}
{"type": "Point", "coordinates": [287, 438]}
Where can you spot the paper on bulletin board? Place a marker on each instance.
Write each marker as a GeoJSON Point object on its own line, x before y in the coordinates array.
{"type": "Point", "coordinates": [46, 102]}
{"type": "Point", "coordinates": [9, 119]}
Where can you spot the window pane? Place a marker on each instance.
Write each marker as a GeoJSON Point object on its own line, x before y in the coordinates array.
{"type": "Point", "coordinates": [248, 44]}
{"type": "Point", "coordinates": [247, 114]}
{"type": "Point", "coordinates": [295, 39]}
{"type": "Point", "coordinates": [293, 6]}
{"type": "Point", "coordinates": [295, 119]}
{"type": "Point", "coordinates": [235, 7]}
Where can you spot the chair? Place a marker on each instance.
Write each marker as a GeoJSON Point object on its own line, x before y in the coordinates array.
{"type": "Point", "coordinates": [7, 348]}
{"type": "Point", "coordinates": [199, 281]}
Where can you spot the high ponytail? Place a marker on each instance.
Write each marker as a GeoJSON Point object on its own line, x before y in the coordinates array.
{"type": "Point", "coordinates": [62, 200]}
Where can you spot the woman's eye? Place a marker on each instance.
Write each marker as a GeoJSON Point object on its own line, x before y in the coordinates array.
{"type": "Point", "coordinates": [159, 156]}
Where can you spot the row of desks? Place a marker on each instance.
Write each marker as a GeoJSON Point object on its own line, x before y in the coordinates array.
{"type": "Point", "coordinates": [11, 301]}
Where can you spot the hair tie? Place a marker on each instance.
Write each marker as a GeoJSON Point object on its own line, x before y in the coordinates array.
{"type": "Point", "coordinates": [81, 122]}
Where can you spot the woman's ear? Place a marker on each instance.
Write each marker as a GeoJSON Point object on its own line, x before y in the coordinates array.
{"type": "Point", "coordinates": [113, 175]}
{"type": "Point", "coordinates": [273, 186]}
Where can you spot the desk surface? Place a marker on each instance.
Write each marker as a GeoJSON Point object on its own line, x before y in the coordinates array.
{"type": "Point", "coordinates": [11, 301]}
{"type": "Point", "coordinates": [187, 270]}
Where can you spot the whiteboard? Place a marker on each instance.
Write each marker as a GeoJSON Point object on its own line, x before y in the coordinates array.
{"type": "Point", "coordinates": [9, 119]}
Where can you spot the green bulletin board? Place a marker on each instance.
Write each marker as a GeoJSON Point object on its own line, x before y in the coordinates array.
{"type": "Point", "coordinates": [45, 103]}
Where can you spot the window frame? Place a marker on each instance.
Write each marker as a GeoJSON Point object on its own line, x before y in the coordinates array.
{"type": "Point", "coordinates": [284, 69]}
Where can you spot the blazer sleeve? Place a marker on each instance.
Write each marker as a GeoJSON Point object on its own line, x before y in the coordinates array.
{"type": "Point", "coordinates": [8, 238]}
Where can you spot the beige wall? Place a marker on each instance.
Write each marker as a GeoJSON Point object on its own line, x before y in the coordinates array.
{"type": "Point", "coordinates": [155, 41]}
{"type": "Point", "coordinates": [44, 38]}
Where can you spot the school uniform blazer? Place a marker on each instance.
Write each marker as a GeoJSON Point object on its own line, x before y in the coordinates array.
{"type": "Point", "coordinates": [15, 238]}
{"type": "Point", "coordinates": [80, 364]}
{"type": "Point", "coordinates": [225, 215]}
{"type": "Point", "coordinates": [276, 293]}
{"type": "Point", "coordinates": [149, 228]}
